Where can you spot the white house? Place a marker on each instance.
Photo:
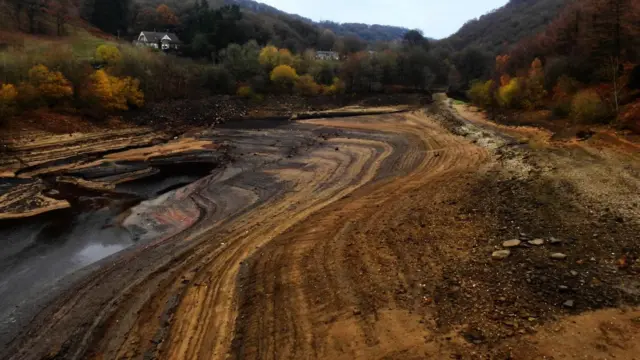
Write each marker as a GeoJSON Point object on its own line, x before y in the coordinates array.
{"type": "Point", "coordinates": [159, 40]}
{"type": "Point", "coordinates": [327, 55]}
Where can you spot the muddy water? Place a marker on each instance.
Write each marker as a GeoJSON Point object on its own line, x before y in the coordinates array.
{"type": "Point", "coordinates": [41, 255]}
{"type": "Point", "coordinates": [38, 253]}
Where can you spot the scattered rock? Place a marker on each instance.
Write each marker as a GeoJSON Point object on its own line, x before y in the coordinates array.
{"type": "Point", "coordinates": [569, 304]}
{"type": "Point", "coordinates": [537, 242]}
{"type": "Point", "coordinates": [558, 256]}
{"type": "Point", "coordinates": [511, 243]}
{"type": "Point", "coordinates": [573, 273]}
{"type": "Point", "coordinates": [357, 312]}
{"type": "Point", "coordinates": [554, 241]}
{"type": "Point", "coordinates": [563, 288]}
{"type": "Point", "coordinates": [501, 255]}
{"type": "Point", "coordinates": [474, 336]}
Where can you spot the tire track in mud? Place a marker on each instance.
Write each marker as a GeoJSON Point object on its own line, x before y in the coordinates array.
{"type": "Point", "coordinates": [304, 295]}
{"type": "Point", "coordinates": [265, 272]}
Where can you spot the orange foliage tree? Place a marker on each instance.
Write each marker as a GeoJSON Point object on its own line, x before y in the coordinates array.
{"type": "Point", "coordinates": [113, 93]}
{"type": "Point", "coordinates": [8, 96]}
{"type": "Point", "coordinates": [49, 85]}
{"type": "Point", "coordinates": [166, 15]}
{"type": "Point", "coordinates": [305, 85]}
{"type": "Point", "coordinates": [535, 92]}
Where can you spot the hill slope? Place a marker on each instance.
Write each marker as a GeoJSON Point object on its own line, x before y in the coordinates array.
{"type": "Point", "coordinates": [507, 25]}
{"type": "Point", "coordinates": [369, 33]}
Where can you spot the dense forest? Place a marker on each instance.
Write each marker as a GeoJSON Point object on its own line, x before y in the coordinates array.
{"type": "Point", "coordinates": [497, 30]}
{"type": "Point", "coordinates": [576, 58]}
{"type": "Point", "coordinates": [584, 65]}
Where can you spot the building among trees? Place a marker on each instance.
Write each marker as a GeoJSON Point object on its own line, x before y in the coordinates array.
{"type": "Point", "coordinates": [159, 40]}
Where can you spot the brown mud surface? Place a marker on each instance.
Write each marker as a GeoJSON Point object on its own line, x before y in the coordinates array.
{"type": "Point", "coordinates": [369, 237]}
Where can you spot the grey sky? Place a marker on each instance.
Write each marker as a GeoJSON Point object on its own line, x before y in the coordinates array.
{"type": "Point", "coordinates": [437, 18]}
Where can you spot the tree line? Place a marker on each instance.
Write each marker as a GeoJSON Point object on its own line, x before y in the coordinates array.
{"type": "Point", "coordinates": [583, 65]}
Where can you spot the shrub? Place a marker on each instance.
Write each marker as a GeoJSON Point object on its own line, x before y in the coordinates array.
{"type": "Point", "coordinates": [113, 93]}
{"type": "Point", "coordinates": [49, 85]}
{"type": "Point", "coordinates": [108, 54]}
{"type": "Point", "coordinates": [8, 97]}
{"type": "Point", "coordinates": [480, 93]}
{"type": "Point", "coordinates": [338, 87]}
{"type": "Point", "coordinates": [306, 86]}
{"type": "Point", "coordinates": [245, 91]}
{"type": "Point", "coordinates": [284, 76]}
{"type": "Point", "coordinates": [588, 107]}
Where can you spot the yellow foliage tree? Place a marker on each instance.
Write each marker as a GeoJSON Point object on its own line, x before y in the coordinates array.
{"type": "Point", "coordinates": [285, 57]}
{"type": "Point", "coordinates": [245, 91]}
{"type": "Point", "coordinates": [50, 85]}
{"type": "Point", "coordinates": [481, 93]}
{"type": "Point", "coordinates": [269, 57]}
{"type": "Point", "coordinates": [108, 54]}
{"type": "Point", "coordinates": [305, 85]}
{"type": "Point", "coordinates": [113, 93]}
{"type": "Point", "coordinates": [337, 87]}
{"type": "Point", "coordinates": [8, 96]}
{"type": "Point", "coordinates": [510, 95]}
{"type": "Point", "coordinates": [284, 76]}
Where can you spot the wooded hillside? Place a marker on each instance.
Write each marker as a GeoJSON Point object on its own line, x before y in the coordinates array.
{"type": "Point", "coordinates": [366, 32]}
{"type": "Point", "coordinates": [496, 31]}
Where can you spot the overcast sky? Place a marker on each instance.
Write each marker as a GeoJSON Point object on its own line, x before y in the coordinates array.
{"type": "Point", "coordinates": [437, 18]}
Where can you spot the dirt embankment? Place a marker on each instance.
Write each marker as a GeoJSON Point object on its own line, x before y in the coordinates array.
{"type": "Point", "coordinates": [412, 235]}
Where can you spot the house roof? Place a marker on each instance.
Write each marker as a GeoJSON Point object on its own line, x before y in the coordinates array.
{"type": "Point", "coordinates": [153, 36]}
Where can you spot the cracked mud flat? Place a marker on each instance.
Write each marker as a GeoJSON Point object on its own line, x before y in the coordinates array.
{"type": "Point", "coordinates": [369, 237]}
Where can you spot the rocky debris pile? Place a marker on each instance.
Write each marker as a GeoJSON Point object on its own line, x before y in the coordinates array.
{"type": "Point", "coordinates": [178, 115]}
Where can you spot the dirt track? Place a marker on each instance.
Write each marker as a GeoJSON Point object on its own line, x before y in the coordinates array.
{"type": "Point", "coordinates": [373, 242]}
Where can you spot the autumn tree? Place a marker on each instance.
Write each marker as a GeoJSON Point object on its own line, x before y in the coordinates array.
{"type": "Point", "coordinates": [108, 54]}
{"type": "Point", "coordinates": [509, 96]}
{"type": "Point", "coordinates": [305, 85]}
{"type": "Point", "coordinates": [285, 57]}
{"type": "Point", "coordinates": [8, 96]}
{"type": "Point", "coordinates": [113, 93]}
{"type": "Point", "coordinates": [481, 93]}
{"type": "Point", "coordinates": [283, 77]}
{"type": "Point", "coordinates": [269, 57]}
{"type": "Point", "coordinates": [49, 85]}
{"type": "Point", "coordinates": [166, 16]}
{"type": "Point", "coordinates": [535, 86]}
